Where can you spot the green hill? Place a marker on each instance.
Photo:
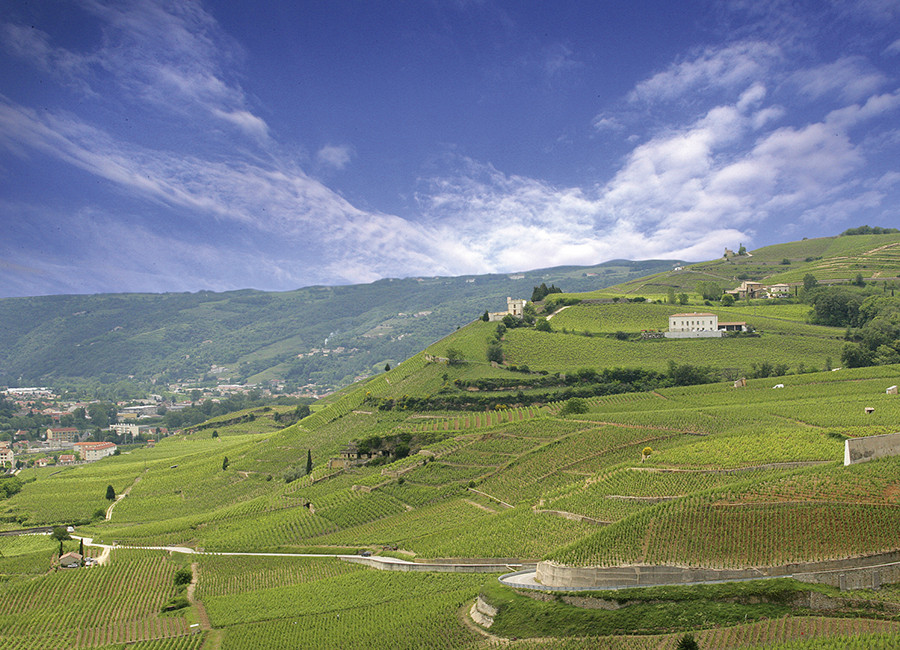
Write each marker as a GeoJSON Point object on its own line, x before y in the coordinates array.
{"type": "Point", "coordinates": [590, 445]}
{"type": "Point", "coordinates": [322, 335]}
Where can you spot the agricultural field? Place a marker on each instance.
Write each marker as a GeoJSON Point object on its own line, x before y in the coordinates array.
{"type": "Point", "coordinates": [97, 606]}
{"type": "Point", "coordinates": [569, 352]}
{"type": "Point", "coordinates": [704, 475]}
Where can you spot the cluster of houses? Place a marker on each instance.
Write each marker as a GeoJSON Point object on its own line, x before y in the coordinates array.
{"type": "Point", "coordinates": [753, 290]}
{"type": "Point", "coordinates": [66, 439]}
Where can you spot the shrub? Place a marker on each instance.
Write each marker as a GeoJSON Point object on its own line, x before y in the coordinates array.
{"type": "Point", "coordinates": [183, 576]}
{"type": "Point", "coordinates": [574, 406]}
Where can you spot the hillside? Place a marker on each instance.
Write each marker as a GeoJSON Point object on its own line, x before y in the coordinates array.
{"type": "Point", "coordinates": [841, 258]}
{"type": "Point", "coordinates": [321, 335]}
{"type": "Point", "coordinates": [589, 446]}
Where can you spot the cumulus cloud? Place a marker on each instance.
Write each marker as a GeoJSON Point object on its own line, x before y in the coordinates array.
{"type": "Point", "coordinates": [336, 157]}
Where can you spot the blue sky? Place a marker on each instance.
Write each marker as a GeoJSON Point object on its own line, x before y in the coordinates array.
{"type": "Point", "coordinates": [180, 146]}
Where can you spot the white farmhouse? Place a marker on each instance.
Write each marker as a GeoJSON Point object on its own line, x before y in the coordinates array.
{"type": "Point", "coordinates": [694, 325]}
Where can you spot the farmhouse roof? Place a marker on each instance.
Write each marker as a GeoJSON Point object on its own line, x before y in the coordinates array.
{"type": "Point", "coordinates": [70, 556]}
{"type": "Point", "coordinates": [691, 314]}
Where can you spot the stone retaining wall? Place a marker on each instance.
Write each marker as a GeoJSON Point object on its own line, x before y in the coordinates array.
{"type": "Point", "coordinates": [851, 573]}
{"type": "Point", "coordinates": [483, 613]}
{"type": "Point", "coordinates": [857, 450]}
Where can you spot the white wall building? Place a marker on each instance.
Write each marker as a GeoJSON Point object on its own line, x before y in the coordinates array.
{"type": "Point", "coordinates": [91, 451]}
{"type": "Point", "coordinates": [694, 325]}
{"type": "Point", "coordinates": [514, 307]}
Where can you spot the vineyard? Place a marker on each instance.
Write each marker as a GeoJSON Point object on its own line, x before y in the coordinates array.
{"type": "Point", "coordinates": [96, 607]}
{"type": "Point", "coordinates": [704, 475]}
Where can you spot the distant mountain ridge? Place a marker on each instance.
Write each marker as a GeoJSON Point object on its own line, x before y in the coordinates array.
{"type": "Point", "coordinates": [320, 335]}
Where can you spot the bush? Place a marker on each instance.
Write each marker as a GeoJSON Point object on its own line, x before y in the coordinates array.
{"type": "Point", "coordinates": [574, 406]}
{"type": "Point", "coordinates": [183, 576]}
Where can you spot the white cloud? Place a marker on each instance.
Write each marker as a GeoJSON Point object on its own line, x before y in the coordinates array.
{"type": "Point", "coordinates": [851, 78]}
{"type": "Point", "coordinates": [334, 156]}
{"type": "Point", "coordinates": [731, 67]}
{"type": "Point", "coordinates": [604, 122]}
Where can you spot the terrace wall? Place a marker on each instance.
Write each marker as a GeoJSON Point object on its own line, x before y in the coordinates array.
{"type": "Point", "coordinates": [857, 450]}
{"type": "Point", "coordinates": [436, 567]}
{"type": "Point", "coordinates": [699, 334]}
{"type": "Point", "coordinates": [850, 573]}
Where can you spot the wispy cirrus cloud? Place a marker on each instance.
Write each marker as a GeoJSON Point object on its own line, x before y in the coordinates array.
{"type": "Point", "coordinates": [851, 78]}
{"type": "Point", "coordinates": [729, 155]}
{"type": "Point", "coordinates": [730, 67]}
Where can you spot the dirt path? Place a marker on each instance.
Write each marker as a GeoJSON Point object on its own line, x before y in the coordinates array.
{"type": "Point", "coordinates": [214, 639]}
{"type": "Point", "coordinates": [466, 620]}
{"type": "Point", "coordinates": [103, 558]}
{"type": "Point", "coordinates": [124, 494]}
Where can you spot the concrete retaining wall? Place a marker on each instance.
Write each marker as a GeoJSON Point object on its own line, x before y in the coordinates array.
{"type": "Point", "coordinates": [852, 573]}
{"type": "Point", "coordinates": [857, 450]}
{"type": "Point", "coordinates": [700, 334]}
{"type": "Point", "coordinates": [384, 565]}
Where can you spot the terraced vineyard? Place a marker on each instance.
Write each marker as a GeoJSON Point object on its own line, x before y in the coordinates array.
{"type": "Point", "coordinates": [473, 460]}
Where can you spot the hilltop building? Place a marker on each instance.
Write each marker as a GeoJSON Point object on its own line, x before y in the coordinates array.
{"type": "Point", "coordinates": [514, 307]}
{"type": "Point", "coordinates": [700, 325]}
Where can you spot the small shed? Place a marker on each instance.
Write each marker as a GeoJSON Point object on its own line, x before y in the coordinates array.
{"type": "Point", "coordinates": [892, 390]}
{"type": "Point", "coordinates": [70, 560]}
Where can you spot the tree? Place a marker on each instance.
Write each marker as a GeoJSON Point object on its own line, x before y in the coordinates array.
{"type": "Point", "coordinates": [309, 465]}
{"type": "Point", "coordinates": [742, 250]}
{"type": "Point", "coordinates": [485, 316]}
{"type": "Point", "coordinates": [542, 325]}
{"type": "Point", "coordinates": [387, 367]}
{"type": "Point", "coordinates": [225, 463]}
{"type": "Point", "coordinates": [454, 356]}
{"type": "Point", "coordinates": [81, 547]}
{"type": "Point", "coordinates": [195, 395]}
{"type": "Point", "coordinates": [541, 292]}
{"type": "Point", "coordinates": [682, 299]}
{"type": "Point", "coordinates": [858, 280]}
{"type": "Point", "coordinates": [727, 300]}
{"type": "Point", "coordinates": [854, 355]}
{"type": "Point", "coordinates": [183, 576]}
{"type": "Point", "coordinates": [809, 282]}
{"type": "Point", "coordinates": [687, 642]}
{"type": "Point", "coordinates": [100, 414]}
{"type": "Point", "coordinates": [574, 406]}
{"type": "Point", "coordinates": [670, 296]}
{"type": "Point", "coordinates": [495, 353]}
{"type": "Point", "coordinates": [60, 533]}
{"type": "Point", "coordinates": [709, 290]}
{"type": "Point", "coordinates": [110, 493]}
